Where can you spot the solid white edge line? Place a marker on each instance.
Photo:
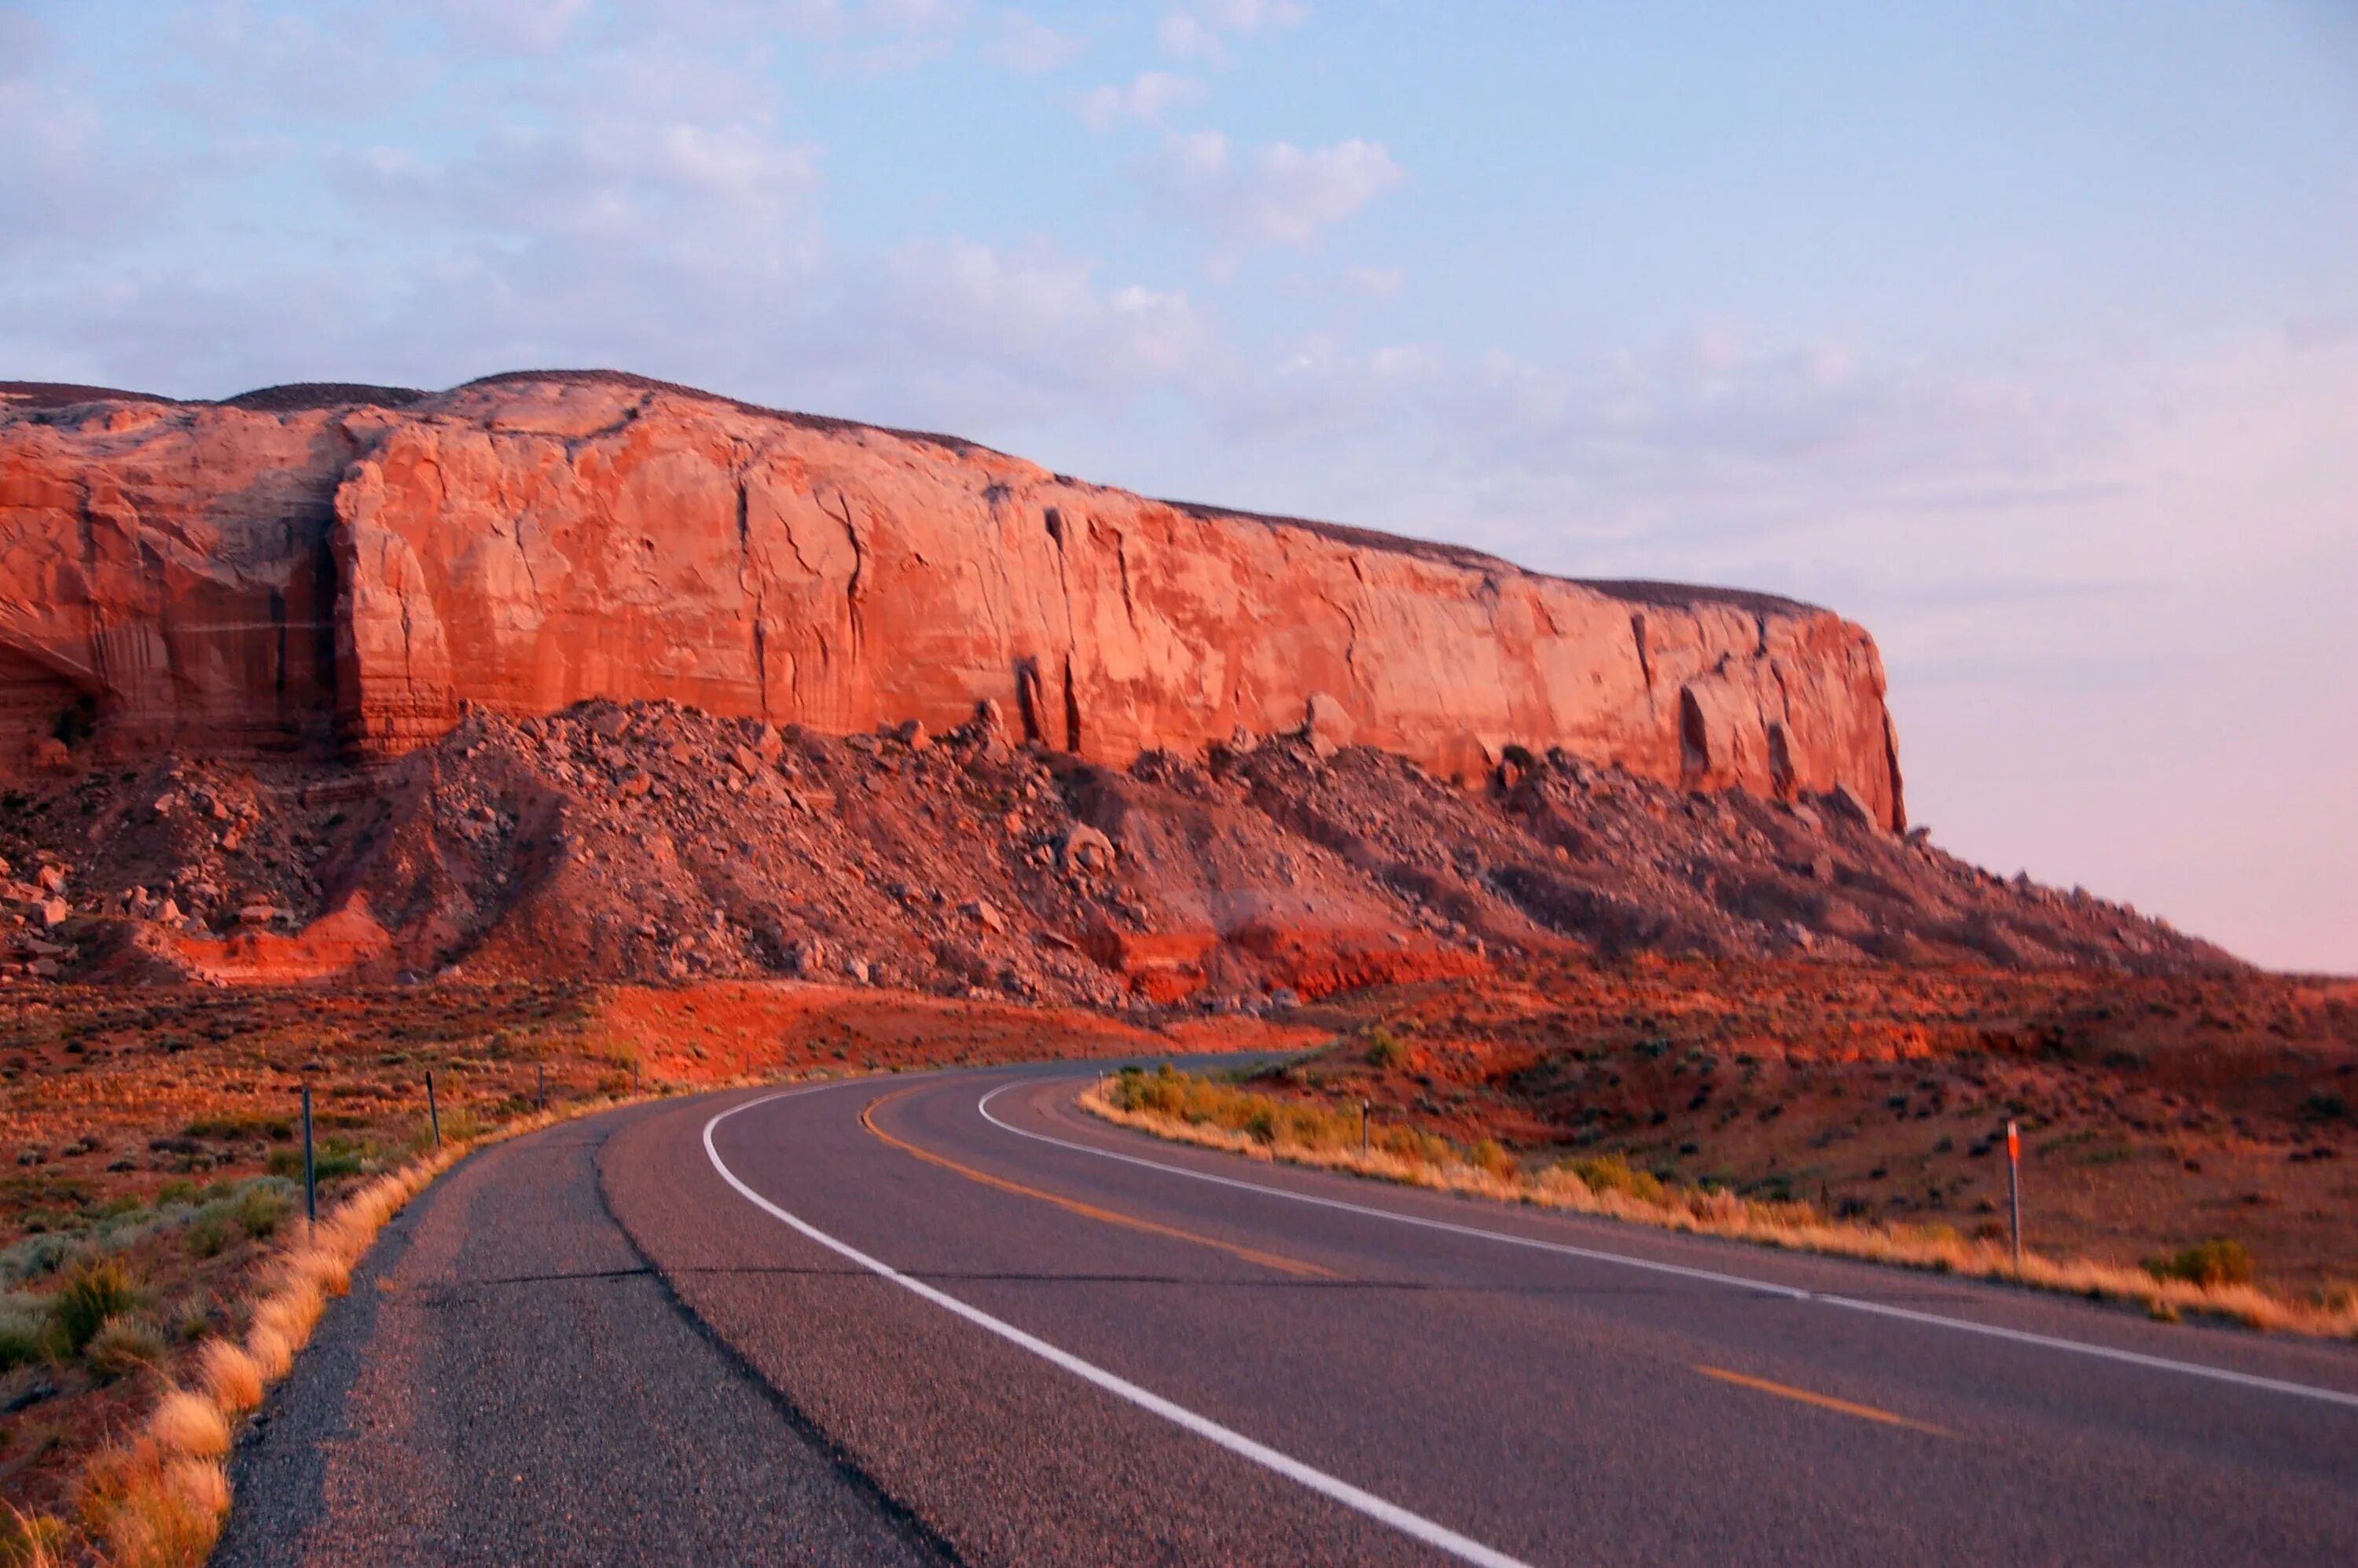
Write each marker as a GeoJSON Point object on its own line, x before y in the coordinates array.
{"type": "Point", "coordinates": [1415, 1526]}
{"type": "Point", "coordinates": [1739, 1281]}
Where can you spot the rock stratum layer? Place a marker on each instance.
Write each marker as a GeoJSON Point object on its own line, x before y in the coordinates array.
{"type": "Point", "coordinates": [311, 568]}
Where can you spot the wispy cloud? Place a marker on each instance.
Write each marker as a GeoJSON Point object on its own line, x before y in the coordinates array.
{"type": "Point", "coordinates": [1275, 194]}
{"type": "Point", "coordinates": [1022, 42]}
{"type": "Point", "coordinates": [1151, 96]}
{"type": "Point", "coordinates": [1194, 31]}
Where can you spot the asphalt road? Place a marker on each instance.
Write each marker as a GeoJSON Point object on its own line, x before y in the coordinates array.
{"type": "Point", "coordinates": [948, 1317]}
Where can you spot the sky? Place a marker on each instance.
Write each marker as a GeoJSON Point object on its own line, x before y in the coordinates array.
{"type": "Point", "coordinates": [2024, 333]}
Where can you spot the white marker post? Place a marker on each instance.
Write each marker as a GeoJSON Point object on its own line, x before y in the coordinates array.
{"type": "Point", "coordinates": [2014, 1187]}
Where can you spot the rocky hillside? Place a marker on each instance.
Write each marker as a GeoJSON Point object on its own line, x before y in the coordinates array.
{"type": "Point", "coordinates": [341, 570]}
{"type": "Point", "coordinates": [646, 840]}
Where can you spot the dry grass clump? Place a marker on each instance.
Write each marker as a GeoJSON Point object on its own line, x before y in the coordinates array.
{"type": "Point", "coordinates": [231, 1375]}
{"type": "Point", "coordinates": [146, 1505]}
{"type": "Point", "coordinates": [192, 1423]}
{"type": "Point", "coordinates": [2214, 1281]}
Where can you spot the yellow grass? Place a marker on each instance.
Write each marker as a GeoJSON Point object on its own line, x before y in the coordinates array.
{"type": "Point", "coordinates": [190, 1423]}
{"type": "Point", "coordinates": [158, 1501]}
{"type": "Point", "coordinates": [1430, 1163]}
{"type": "Point", "coordinates": [231, 1374]}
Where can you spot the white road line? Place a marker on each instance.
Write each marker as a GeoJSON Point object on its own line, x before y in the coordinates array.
{"type": "Point", "coordinates": [1415, 1526]}
{"type": "Point", "coordinates": [1739, 1281]}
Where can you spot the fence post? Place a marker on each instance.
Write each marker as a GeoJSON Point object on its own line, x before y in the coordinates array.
{"type": "Point", "coordinates": [2014, 1187]}
{"type": "Point", "coordinates": [433, 1110]}
{"type": "Point", "coordinates": [1364, 1108]}
{"type": "Point", "coordinates": [543, 1068]}
{"type": "Point", "coordinates": [311, 1170]}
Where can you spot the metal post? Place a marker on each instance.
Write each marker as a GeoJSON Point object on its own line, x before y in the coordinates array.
{"type": "Point", "coordinates": [311, 1168]}
{"type": "Point", "coordinates": [433, 1110]}
{"type": "Point", "coordinates": [1364, 1108]}
{"type": "Point", "coordinates": [2014, 1186]}
{"type": "Point", "coordinates": [543, 1068]}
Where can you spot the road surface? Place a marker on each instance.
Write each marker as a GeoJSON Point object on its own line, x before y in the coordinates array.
{"type": "Point", "coordinates": [948, 1318]}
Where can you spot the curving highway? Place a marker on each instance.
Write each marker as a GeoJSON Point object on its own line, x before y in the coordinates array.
{"type": "Point", "coordinates": [948, 1318]}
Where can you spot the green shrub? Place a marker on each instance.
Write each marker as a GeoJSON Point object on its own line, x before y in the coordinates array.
{"type": "Point", "coordinates": [1385, 1050]}
{"type": "Point", "coordinates": [1612, 1174]}
{"type": "Point", "coordinates": [90, 1295]}
{"type": "Point", "coordinates": [262, 1210]}
{"type": "Point", "coordinates": [2212, 1262]}
{"type": "Point", "coordinates": [2208, 1263]}
{"type": "Point", "coordinates": [209, 1232]}
{"type": "Point", "coordinates": [335, 1158]}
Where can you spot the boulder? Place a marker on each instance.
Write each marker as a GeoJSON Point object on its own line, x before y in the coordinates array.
{"type": "Point", "coordinates": [1327, 725]}
{"type": "Point", "coordinates": [1085, 851]}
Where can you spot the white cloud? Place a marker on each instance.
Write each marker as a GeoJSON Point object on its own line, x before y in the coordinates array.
{"type": "Point", "coordinates": [1279, 194]}
{"type": "Point", "coordinates": [531, 26]}
{"type": "Point", "coordinates": [1021, 42]}
{"type": "Point", "coordinates": [1375, 282]}
{"type": "Point", "coordinates": [1150, 96]}
{"type": "Point", "coordinates": [1194, 31]}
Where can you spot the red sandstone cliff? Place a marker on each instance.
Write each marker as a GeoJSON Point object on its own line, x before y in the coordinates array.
{"type": "Point", "coordinates": [314, 565]}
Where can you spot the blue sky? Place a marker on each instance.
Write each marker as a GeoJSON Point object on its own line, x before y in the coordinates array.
{"type": "Point", "coordinates": [2026, 334]}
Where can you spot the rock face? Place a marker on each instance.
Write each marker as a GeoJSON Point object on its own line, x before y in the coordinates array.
{"type": "Point", "coordinates": [312, 567]}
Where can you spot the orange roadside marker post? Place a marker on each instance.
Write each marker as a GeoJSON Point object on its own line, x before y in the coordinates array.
{"type": "Point", "coordinates": [2014, 1187]}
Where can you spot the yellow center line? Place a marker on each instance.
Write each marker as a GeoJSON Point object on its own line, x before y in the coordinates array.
{"type": "Point", "coordinates": [1278, 1262]}
{"type": "Point", "coordinates": [1824, 1401]}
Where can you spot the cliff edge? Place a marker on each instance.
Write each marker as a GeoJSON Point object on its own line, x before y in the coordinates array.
{"type": "Point", "coordinates": [315, 568]}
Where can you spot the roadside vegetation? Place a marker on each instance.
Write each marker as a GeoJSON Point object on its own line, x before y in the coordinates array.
{"type": "Point", "coordinates": [2214, 1280]}
{"type": "Point", "coordinates": [155, 1270]}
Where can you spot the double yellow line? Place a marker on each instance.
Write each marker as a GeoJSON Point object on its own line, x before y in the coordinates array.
{"type": "Point", "coordinates": [1276, 1260]}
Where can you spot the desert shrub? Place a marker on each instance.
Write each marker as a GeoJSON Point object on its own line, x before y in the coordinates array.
{"type": "Point", "coordinates": [210, 1232]}
{"type": "Point", "coordinates": [93, 1295]}
{"type": "Point", "coordinates": [1612, 1174]}
{"type": "Point", "coordinates": [123, 1345]}
{"type": "Point", "coordinates": [2208, 1263]}
{"type": "Point", "coordinates": [36, 1257]}
{"type": "Point", "coordinates": [1491, 1157]}
{"type": "Point", "coordinates": [1385, 1049]}
{"type": "Point", "coordinates": [331, 1160]}
{"type": "Point", "coordinates": [261, 1210]}
{"type": "Point", "coordinates": [27, 1331]}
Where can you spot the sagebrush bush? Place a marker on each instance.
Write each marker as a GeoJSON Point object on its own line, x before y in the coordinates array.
{"type": "Point", "coordinates": [27, 1331]}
